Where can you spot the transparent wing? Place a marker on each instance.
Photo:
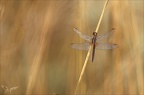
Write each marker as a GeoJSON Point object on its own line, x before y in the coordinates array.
{"type": "Point", "coordinates": [86, 37]}
{"type": "Point", "coordinates": [105, 35]}
{"type": "Point", "coordinates": [80, 46]}
{"type": "Point", "coordinates": [106, 46]}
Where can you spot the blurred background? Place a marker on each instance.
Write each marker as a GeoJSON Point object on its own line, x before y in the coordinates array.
{"type": "Point", "coordinates": [35, 55]}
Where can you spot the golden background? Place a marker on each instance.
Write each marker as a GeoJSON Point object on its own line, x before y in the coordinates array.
{"type": "Point", "coordinates": [34, 47]}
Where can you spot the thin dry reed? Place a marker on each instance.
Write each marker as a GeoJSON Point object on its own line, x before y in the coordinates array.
{"type": "Point", "coordinates": [89, 51]}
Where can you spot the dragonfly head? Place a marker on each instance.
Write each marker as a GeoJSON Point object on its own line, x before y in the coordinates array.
{"type": "Point", "coordinates": [94, 33]}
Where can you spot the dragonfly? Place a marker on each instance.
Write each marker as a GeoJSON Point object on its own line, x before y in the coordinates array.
{"type": "Point", "coordinates": [95, 41]}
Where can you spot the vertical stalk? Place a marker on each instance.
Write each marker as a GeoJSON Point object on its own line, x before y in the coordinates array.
{"type": "Point", "coordinates": [88, 54]}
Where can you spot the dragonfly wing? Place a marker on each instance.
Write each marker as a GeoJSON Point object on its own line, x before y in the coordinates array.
{"type": "Point", "coordinates": [106, 46]}
{"type": "Point", "coordinates": [105, 35]}
{"type": "Point", "coordinates": [80, 46]}
{"type": "Point", "coordinates": [86, 37]}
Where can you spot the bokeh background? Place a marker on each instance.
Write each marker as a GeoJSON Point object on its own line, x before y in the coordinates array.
{"type": "Point", "coordinates": [34, 47]}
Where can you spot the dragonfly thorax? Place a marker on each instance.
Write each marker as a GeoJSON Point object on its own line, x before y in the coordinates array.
{"type": "Point", "coordinates": [94, 33]}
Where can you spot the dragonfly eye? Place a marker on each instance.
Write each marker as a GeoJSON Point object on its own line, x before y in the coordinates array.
{"type": "Point", "coordinates": [94, 33]}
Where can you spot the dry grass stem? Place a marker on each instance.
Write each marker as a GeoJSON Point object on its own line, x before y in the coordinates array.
{"type": "Point", "coordinates": [101, 16]}
{"type": "Point", "coordinates": [88, 54]}
{"type": "Point", "coordinates": [83, 69]}
{"type": "Point", "coordinates": [38, 56]}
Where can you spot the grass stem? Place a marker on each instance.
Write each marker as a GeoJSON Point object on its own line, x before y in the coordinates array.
{"type": "Point", "coordinates": [88, 54]}
{"type": "Point", "coordinates": [101, 16]}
